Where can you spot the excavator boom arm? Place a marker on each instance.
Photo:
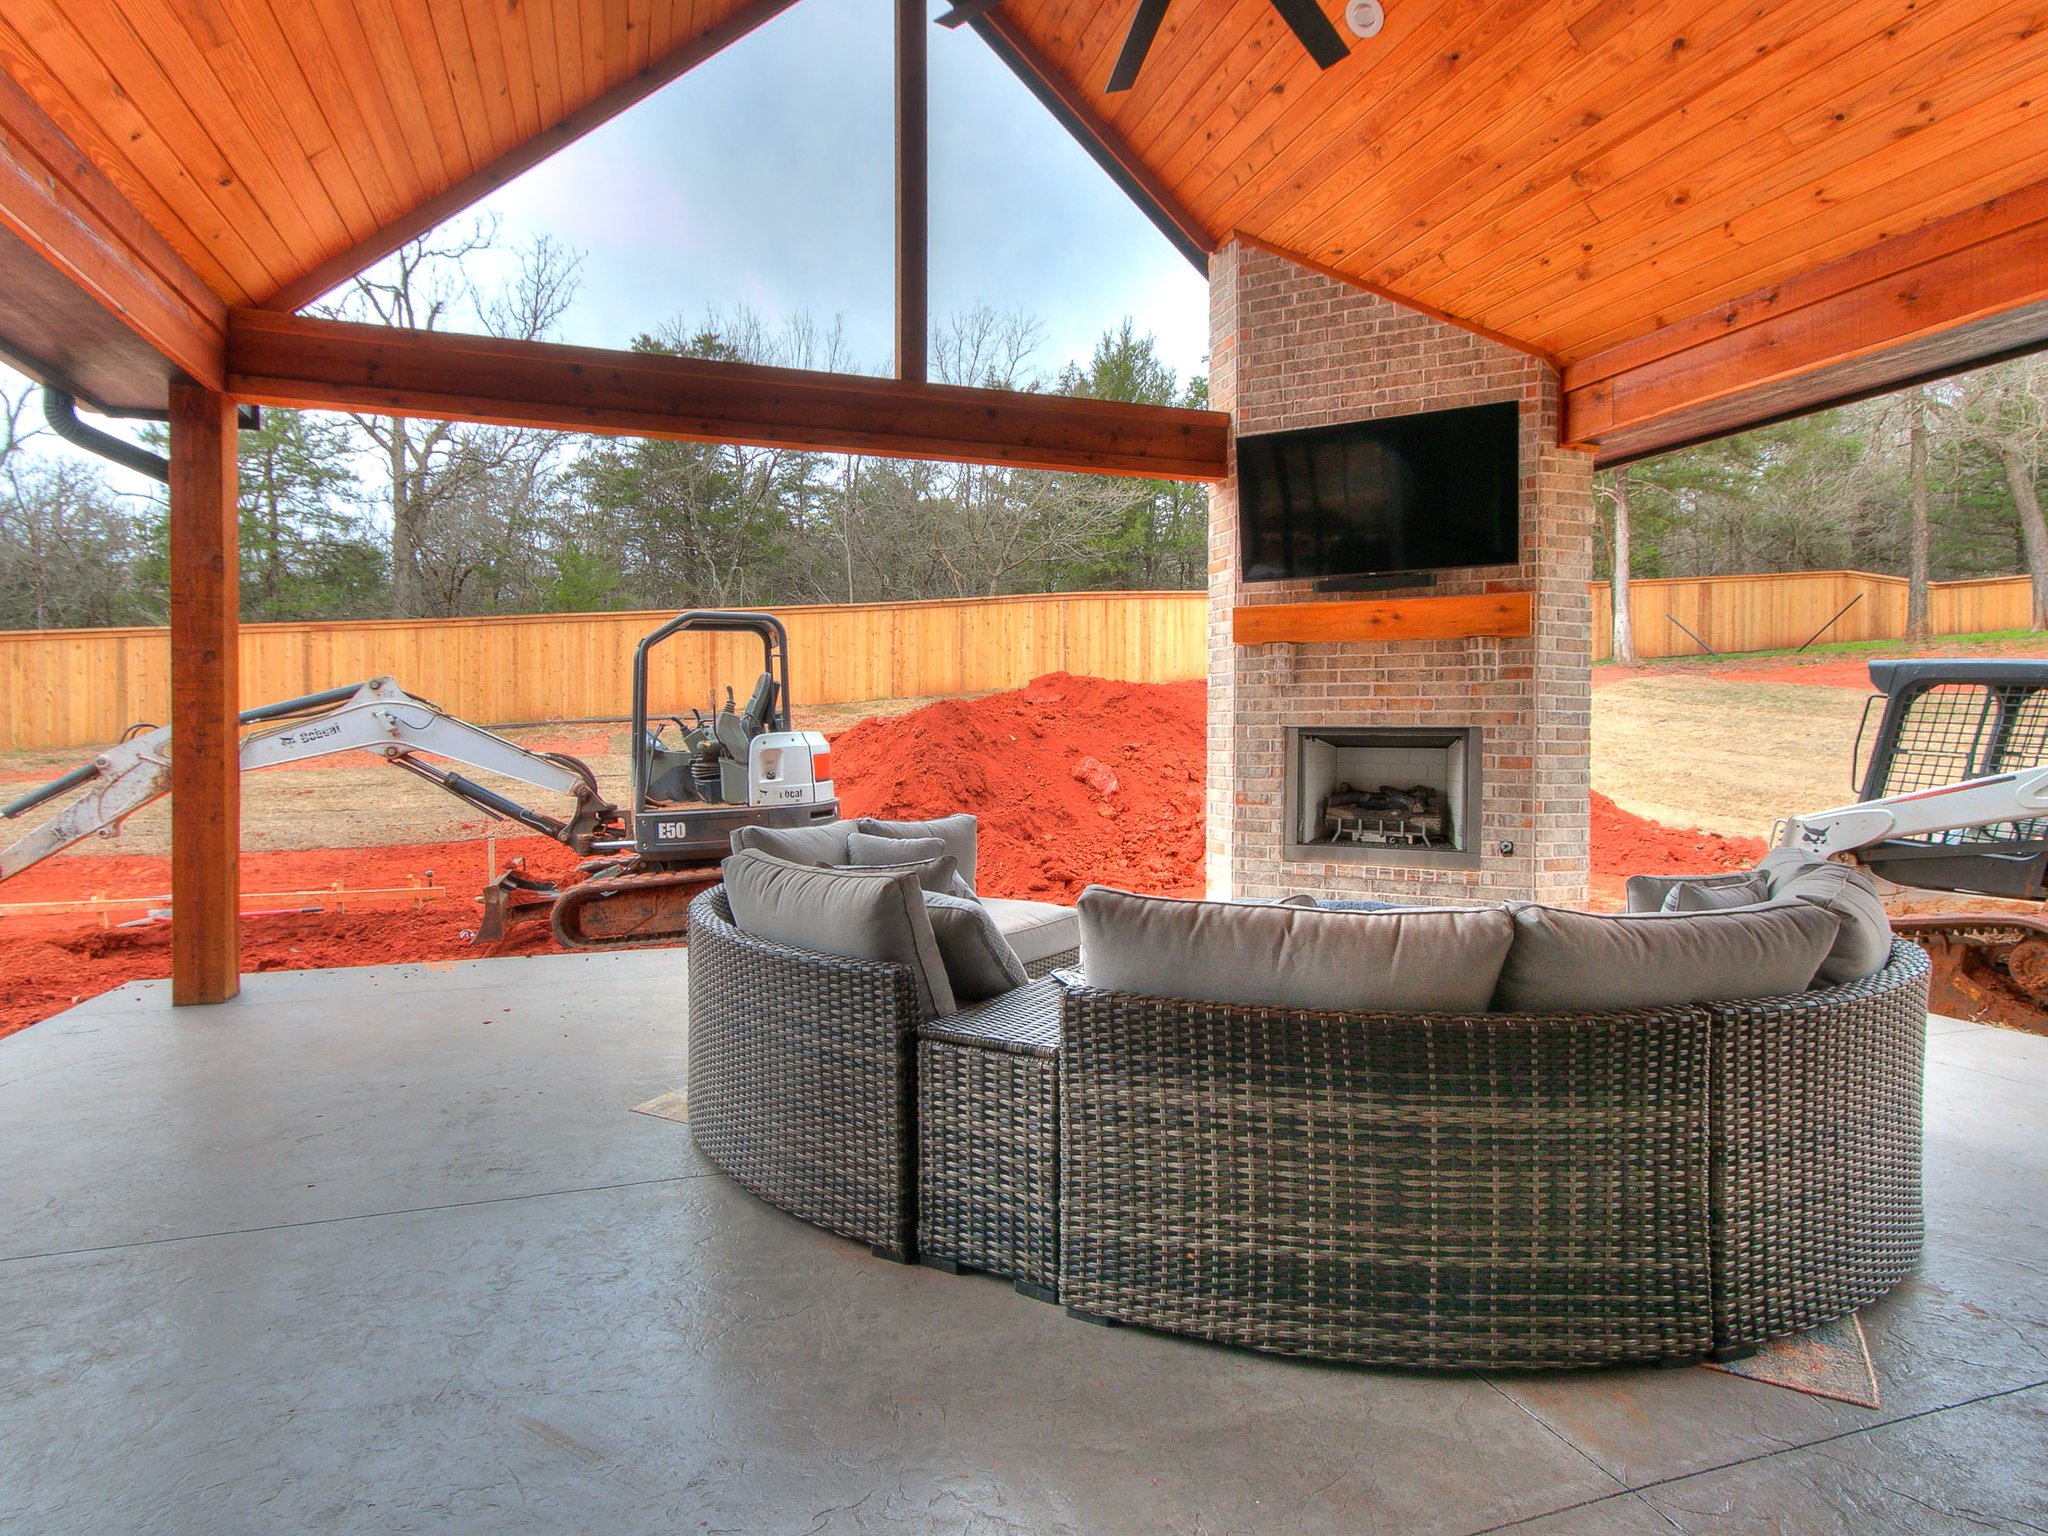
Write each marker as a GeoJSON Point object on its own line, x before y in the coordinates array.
{"type": "Point", "coordinates": [379, 717]}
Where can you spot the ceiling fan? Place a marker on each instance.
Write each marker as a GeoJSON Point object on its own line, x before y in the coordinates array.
{"type": "Point", "coordinates": [1304, 18]}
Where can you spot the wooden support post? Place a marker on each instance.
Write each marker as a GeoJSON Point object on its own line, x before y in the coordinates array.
{"type": "Point", "coordinates": [913, 194]}
{"type": "Point", "coordinates": [206, 775]}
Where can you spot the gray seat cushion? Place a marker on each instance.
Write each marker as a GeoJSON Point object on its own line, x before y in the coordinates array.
{"type": "Point", "coordinates": [1564, 961]}
{"type": "Point", "coordinates": [960, 833]}
{"type": "Point", "coordinates": [1863, 945]}
{"type": "Point", "coordinates": [1036, 930]}
{"type": "Point", "coordinates": [862, 914]}
{"type": "Point", "coordinates": [979, 961]}
{"type": "Point", "coordinates": [824, 843]}
{"type": "Point", "coordinates": [1441, 960]}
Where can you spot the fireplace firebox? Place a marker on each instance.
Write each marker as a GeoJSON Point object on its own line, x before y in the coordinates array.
{"type": "Point", "coordinates": [1384, 794]}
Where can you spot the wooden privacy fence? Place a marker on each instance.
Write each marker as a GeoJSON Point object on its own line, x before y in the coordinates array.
{"type": "Point", "coordinates": [80, 687]}
{"type": "Point", "coordinates": [1768, 613]}
{"type": "Point", "coordinates": [67, 688]}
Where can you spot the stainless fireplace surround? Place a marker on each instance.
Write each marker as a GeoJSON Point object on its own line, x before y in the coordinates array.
{"type": "Point", "coordinates": [1440, 829]}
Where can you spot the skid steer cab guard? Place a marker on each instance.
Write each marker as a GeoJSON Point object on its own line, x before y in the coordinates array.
{"type": "Point", "coordinates": [1946, 722]}
{"type": "Point", "coordinates": [741, 765]}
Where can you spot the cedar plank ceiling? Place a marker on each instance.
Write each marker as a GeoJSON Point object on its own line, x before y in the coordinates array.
{"type": "Point", "coordinates": [1573, 173]}
{"type": "Point", "coordinates": [264, 138]}
{"type": "Point", "coordinates": [1566, 173]}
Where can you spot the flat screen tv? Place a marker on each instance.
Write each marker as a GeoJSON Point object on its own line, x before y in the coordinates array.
{"type": "Point", "coordinates": [1367, 499]}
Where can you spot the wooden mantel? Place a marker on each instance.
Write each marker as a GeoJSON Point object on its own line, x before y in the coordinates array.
{"type": "Point", "coordinates": [1505, 615]}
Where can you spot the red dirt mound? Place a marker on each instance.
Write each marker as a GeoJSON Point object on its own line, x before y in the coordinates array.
{"type": "Point", "coordinates": [1627, 844]}
{"type": "Point", "coordinates": [1075, 779]}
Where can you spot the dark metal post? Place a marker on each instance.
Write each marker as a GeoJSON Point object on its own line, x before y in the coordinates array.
{"type": "Point", "coordinates": [913, 194]}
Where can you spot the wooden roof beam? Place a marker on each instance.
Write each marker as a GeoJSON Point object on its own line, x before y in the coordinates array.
{"type": "Point", "coordinates": [1950, 295]}
{"type": "Point", "coordinates": [291, 360]}
{"type": "Point", "coordinates": [98, 303]}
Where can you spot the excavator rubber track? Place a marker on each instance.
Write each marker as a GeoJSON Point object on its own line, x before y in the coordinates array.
{"type": "Point", "coordinates": [1989, 967]}
{"type": "Point", "coordinates": [630, 910]}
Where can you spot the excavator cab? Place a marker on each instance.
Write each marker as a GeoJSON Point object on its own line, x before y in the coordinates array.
{"type": "Point", "coordinates": [740, 765]}
{"type": "Point", "coordinates": [1944, 722]}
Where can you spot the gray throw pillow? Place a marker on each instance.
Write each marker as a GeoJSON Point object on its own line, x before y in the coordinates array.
{"type": "Point", "coordinates": [934, 876]}
{"type": "Point", "coordinates": [872, 851]}
{"type": "Point", "coordinates": [863, 914]}
{"type": "Point", "coordinates": [960, 833]}
{"type": "Point", "coordinates": [1440, 960]}
{"type": "Point", "coordinates": [979, 961]}
{"type": "Point", "coordinates": [1648, 893]}
{"type": "Point", "coordinates": [1863, 945]}
{"type": "Point", "coordinates": [1748, 890]}
{"type": "Point", "coordinates": [1564, 961]}
{"type": "Point", "coordinates": [821, 843]}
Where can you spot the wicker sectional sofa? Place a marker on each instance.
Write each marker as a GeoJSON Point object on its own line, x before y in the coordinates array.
{"type": "Point", "coordinates": [1443, 1190]}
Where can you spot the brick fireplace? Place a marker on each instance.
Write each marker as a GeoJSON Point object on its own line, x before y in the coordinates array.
{"type": "Point", "coordinates": [1499, 726]}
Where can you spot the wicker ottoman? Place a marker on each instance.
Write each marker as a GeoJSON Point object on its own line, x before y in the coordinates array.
{"type": "Point", "coordinates": [988, 1139]}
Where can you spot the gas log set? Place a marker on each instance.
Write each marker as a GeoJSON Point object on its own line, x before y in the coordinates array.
{"type": "Point", "coordinates": [1416, 817]}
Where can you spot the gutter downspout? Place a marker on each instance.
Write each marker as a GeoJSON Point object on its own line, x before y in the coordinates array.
{"type": "Point", "coordinates": [61, 412]}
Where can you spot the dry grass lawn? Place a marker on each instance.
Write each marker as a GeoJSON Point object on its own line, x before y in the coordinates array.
{"type": "Point", "coordinates": [1692, 751]}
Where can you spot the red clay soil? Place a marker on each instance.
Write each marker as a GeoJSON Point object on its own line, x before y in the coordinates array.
{"type": "Point", "coordinates": [1075, 779]}
{"type": "Point", "coordinates": [47, 963]}
{"type": "Point", "coordinates": [1811, 671]}
{"type": "Point", "coordinates": [1817, 671]}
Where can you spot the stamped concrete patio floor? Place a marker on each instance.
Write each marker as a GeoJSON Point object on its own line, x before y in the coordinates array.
{"type": "Point", "coordinates": [384, 1250]}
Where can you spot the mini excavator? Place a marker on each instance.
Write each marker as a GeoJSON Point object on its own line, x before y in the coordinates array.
{"type": "Point", "coordinates": [738, 765]}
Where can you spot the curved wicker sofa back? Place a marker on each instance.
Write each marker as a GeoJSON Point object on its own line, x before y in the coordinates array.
{"type": "Point", "coordinates": [1494, 1189]}
{"type": "Point", "coordinates": [800, 1068]}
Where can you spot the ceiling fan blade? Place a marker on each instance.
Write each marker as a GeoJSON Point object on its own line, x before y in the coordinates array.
{"type": "Point", "coordinates": [1308, 22]}
{"type": "Point", "coordinates": [965, 11]}
{"type": "Point", "coordinates": [1137, 43]}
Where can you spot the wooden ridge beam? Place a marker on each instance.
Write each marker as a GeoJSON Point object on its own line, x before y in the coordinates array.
{"type": "Point", "coordinates": [292, 360]}
{"type": "Point", "coordinates": [345, 264]}
{"type": "Point", "coordinates": [1946, 296]}
{"type": "Point", "coordinates": [58, 205]}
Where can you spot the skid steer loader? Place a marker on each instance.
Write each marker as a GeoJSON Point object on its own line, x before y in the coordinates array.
{"type": "Point", "coordinates": [731, 767]}
{"type": "Point", "coordinates": [1952, 823]}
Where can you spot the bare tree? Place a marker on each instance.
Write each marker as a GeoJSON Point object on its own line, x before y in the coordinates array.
{"type": "Point", "coordinates": [433, 466]}
{"type": "Point", "coordinates": [1615, 489]}
{"type": "Point", "coordinates": [2005, 410]}
{"type": "Point", "coordinates": [1916, 515]}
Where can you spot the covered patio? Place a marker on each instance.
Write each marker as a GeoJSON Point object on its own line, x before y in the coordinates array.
{"type": "Point", "coordinates": [387, 1250]}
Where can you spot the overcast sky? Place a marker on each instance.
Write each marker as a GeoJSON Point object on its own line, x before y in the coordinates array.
{"type": "Point", "coordinates": [766, 177]}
